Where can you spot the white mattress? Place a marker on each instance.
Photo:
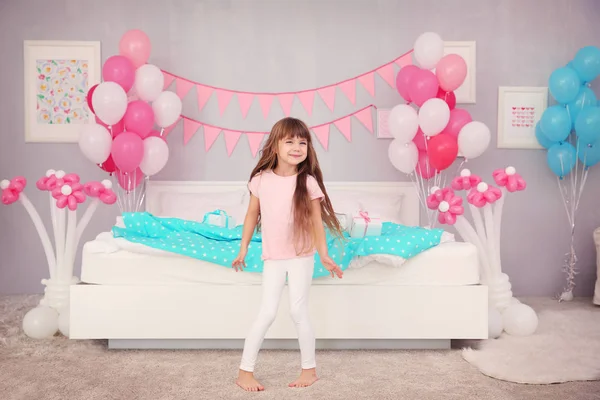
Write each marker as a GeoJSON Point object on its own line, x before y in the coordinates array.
{"type": "Point", "coordinates": [106, 262]}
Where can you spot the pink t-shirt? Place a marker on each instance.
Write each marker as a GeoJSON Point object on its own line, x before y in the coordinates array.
{"type": "Point", "coordinates": [276, 194]}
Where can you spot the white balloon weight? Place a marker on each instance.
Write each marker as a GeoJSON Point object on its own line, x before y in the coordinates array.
{"type": "Point", "coordinates": [167, 108]}
{"type": "Point", "coordinates": [156, 155]}
{"type": "Point", "coordinates": [428, 49]}
{"type": "Point", "coordinates": [434, 115]}
{"type": "Point", "coordinates": [495, 325]}
{"type": "Point", "coordinates": [40, 322]}
{"type": "Point", "coordinates": [519, 320]}
{"type": "Point", "coordinates": [149, 82]}
{"type": "Point", "coordinates": [403, 122]}
{"type": "Point", "coordinates": [403, 156]}
{"type": "Point", "coordinates": [473, 139]}
{"type": "Point", "coordinates": [95, 142]}
{"type": "Point", "coordinates": [110, 102]}
{"type": "Point", "coordinates": [64, 322]}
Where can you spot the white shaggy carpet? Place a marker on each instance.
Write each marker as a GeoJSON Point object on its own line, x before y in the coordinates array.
{"type": "Point", "coordinates": [565, 347]}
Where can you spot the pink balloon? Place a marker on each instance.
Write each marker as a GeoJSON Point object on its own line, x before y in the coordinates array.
{"type": "Point", "coordinates": [423, 86]}
{"type": "Point", "coordinates": [424, 168]}
{"type": "Point", "coordinates": [156, 134]}
{"type": "Point", "coordinates": [451, 72]}
{"type": "Point", "coordinates": [459, 117]}
{"type": "Point", "coordinates": [127, 151]}
{"type": "Point", "coordinates": [403, 79]}
{"type": "Point", "coordinates": [419, 140]}
{"type": "Point", "coordinates": [120, 70]}
{"type": "Point", "coordinates": [135, 45]}
{"type": "Point", "coordinates": [139, 118]}
{"type": "Point", "coordinates": [116, 128]}
{"type": "Point", "coordinates": [130, 180]}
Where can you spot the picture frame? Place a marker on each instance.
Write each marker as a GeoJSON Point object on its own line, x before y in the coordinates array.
{"type": "Point", "coordinates": [383, 130]}
{"type": "Point", "coordinates": [466, 93]}
{"type": "Point", "coordinates": [57, 76]}
{"type": "Point", "coordinates": [519, 110]}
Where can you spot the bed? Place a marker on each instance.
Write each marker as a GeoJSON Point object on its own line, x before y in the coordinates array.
{"type": "Point", "coordinates": [141, 297]}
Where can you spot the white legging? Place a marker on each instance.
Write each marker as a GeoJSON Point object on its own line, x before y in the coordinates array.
{"type": "Point", "coordinates": [299, 272]}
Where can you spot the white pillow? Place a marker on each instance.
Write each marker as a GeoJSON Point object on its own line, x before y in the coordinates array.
{"type": "Point", "coordinates": [193, 206]}
{"type": "Point", "coordinates": [387, 207]}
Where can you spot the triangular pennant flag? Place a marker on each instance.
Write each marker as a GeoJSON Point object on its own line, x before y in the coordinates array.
{"type": "Point", "coordinates": [183, 87]}
{"type": "Point", "coordinates": [169, 128]}
{"type": "Point", "coordinates": [189, 129]}
{"type": "Point", "coordinates": [349, 89]}
{"type": "Point", "coordinates": [168, 80]}
{"type": "Point", "coordinates": [404, 60]}
{"type": "Point", "coordinates": [368, 82]}
{"type": "Point", "coordinates": [286, 100]}
{"type": "Point", "coordinates": [204, 93]}
{"type": "Point", "coordinates": [345, 127]}
{"type": "Point", "coordinates": [231, 139]}
{"type": "Point", "coordinates": [254, 141]}
{"type": "Point", "coordinates": [211, 134]}
{"type": "Point", "coordinates": [322, 134]}
{"type": "Point", "coordinates": [387, 73]}
{"type": "Point", "coordinates": [366, 118]}
{"type": "Point", "coordinates": [245, 100]}
{"type": "Point", "coordinates": [307, 99]}
{"type": "Point", "coordinates": [265, 101]}
{"type": "Point", "coordinates": [328, 96]}
{"type": "Point", "coordinates": [224, 97]}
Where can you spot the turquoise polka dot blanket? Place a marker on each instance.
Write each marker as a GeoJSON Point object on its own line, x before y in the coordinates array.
{"type": "Point", "coordinates": [221, 245]}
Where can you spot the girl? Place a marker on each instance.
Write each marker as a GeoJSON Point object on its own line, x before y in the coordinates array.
{"type": "Point", "coordinates": [289, 200]}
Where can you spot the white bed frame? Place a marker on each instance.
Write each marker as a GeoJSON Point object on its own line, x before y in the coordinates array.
{"type": "Point", "coordinates": [219, 316]}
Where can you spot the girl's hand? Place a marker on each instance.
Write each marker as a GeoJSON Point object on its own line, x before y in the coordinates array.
{"type": "Point", "coordinates": [331, 266]}
{"type": "Point", "coordinates": [239, 262]}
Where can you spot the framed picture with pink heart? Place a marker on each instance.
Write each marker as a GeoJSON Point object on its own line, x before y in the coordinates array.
{"type": "Point", "coordinates": [519, 111]}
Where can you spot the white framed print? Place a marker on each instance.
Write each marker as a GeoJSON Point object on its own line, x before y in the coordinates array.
{"type": "Point", "coordinates": [466, 93]}
{"type": "Point", "coordinates": [383, 129]}
{"type": "Point", "coordinates": [519, 110]}
{"type": "Point", "coordinates": [57, 77]}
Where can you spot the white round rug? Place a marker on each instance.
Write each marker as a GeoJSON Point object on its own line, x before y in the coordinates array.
{"type": "Point", "coordinates": [565, 347]}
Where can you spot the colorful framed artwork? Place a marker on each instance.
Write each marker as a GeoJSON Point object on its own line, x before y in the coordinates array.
{"type": "Point", "coordinates": [465, 94]}
{"type": "Point", "coordinates": [57, 77]}
{"type": "Point", "coordinates": [519, 110]}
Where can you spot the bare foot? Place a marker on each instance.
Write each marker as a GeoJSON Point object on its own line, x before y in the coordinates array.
{"type": "Point", "coordinates": [247, 382]}
{"type": "Point", "coordinates": [307, 378]}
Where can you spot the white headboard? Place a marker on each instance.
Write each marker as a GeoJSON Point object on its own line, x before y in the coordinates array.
{"type": "Point", "coordinates": [384, 191]}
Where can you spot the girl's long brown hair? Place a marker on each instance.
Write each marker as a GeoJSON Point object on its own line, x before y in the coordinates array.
{"type": "Point", "coordinates": [303, 233]}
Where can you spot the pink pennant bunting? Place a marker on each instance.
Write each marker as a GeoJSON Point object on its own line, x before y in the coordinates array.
{"type": "Point", "coordinates": [349, 89]}
{"type": "Point", "coordinates": [366, 118]}
{"type": "Point", "coordinates": [183, 87]}
{"type": "Point", "coordinates": [189, 129]}
{"type": "Point", "coordinates": [210, 135]}
{"type": "Point", "coordinates": [231, 139]}
{"type": "Point", "coordinates": [204, 93]}
{"type": "Point", "coordinates": [245, 100]}
{"type": "Point", "coordinates": [265, 101]}
{"type": "Point", "coordinates": [328, 96]}
{"type": "Point", "coordinates": [286, 100]}
{"type": "Point", "coordinates": [387, 73]}
{"type": "Point", "coordinates": [224, 97]}
{"type": "Point", "coordinates": [307, 99]}
{"type": "Point", "coordinates": [368, 82]}
{"type": "Point", "coordinates": [168, 80]}
{"type": "Point", "coordinates": [254, 141]}
{"type": "Point", "coordinates": [169, 128]}
{"type": "Point", "coordinates": [322, 134]}
{"type": "Point", "coordinates": [404, 60]}
{"type": "Point", "coordinates": [344, 125]}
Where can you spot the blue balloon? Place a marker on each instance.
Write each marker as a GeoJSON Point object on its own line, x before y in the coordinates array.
{"type": "Point", "coordinates": [587, 125]}
{"type": "Point", "coordinates": [589, 154]}
{"type": "Point", "coordinates": [587, 63]}
{"type": "Point", "coordinates": [542, 138]}
{"type": "Point", "coordinates": [564, 84]}
{"type": "Point", "coordinates": [585, 98]}
{"type": "Point", "coordinates": [556, 123]}
{"type": "Point", "coordinates": [561, 158]}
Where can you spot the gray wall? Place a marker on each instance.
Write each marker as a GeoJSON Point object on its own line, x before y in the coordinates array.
{"type": "Point", "coordinates": [293, 45]}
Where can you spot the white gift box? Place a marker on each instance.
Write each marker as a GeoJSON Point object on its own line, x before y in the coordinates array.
{"type": "Point", "coordinates": [364, 224]}
{"type": "Point", "coordinates": [219, 218]}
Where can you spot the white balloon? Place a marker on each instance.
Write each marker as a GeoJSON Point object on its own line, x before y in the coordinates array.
{"type": "Point", "coordinates": [149, 82]}
{"type": "Point", "coordinates": [156, 155]}
{"type": "Point", "coordinates": [40, 322]}
{"type": "Point", "coordinates": [434, 115]}
{"type": "Point", "coordinates": [428, 49]}
{"type": "Point", "coordinates": [495, 325]}
{"type": "Point", "coordinates": [519, 320]}
{"type": "Point", "coordinates": [473, 139]}
{"type": "Point", "coordinates": [403, 156]}
{"type": "Point", "coordinates": [110, 102]}
{"type": "Point", "coordinates": [167, 108]}
{"type": "Point", "coordinates": [403, 122]}
{"type": "Point", "coordinates": [95, 142]}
